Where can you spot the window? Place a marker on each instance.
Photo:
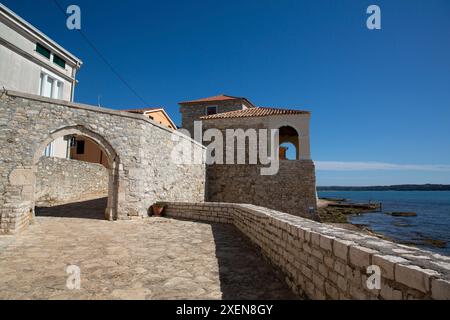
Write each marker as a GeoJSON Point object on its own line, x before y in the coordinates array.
{"type": "Point", "coordinates": [59, 61]}
{"type": "Point", "coordinates": [80, 146]}
{"type": "Point", "coordinates": [43, 50]}
{"type": "Point", "coordinates": [211, 110]}
{"type": "Point", "coordinates": [50, 87]}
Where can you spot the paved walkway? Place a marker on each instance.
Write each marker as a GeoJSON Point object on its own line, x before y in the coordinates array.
{"type": "Point", "coordinates": [155, 258]}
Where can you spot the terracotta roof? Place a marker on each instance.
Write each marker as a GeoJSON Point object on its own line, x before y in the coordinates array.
{"type": "Point", "coordinates": [253, 112]}
{"type": "Point", "coordinates": [144, 111]}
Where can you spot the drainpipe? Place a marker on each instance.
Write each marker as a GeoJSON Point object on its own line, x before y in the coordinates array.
{"type": "Point", "coordinates": [74, 81]}
{"type": "Point", "coordinates": [72, 91]}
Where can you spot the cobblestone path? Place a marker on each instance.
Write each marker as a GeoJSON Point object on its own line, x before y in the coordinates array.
{"type": "Point", "coordinates": [154, 258]}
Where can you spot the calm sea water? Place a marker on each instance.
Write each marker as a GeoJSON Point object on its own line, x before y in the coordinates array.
{"type": "Point", "coordinates": [432, 221]}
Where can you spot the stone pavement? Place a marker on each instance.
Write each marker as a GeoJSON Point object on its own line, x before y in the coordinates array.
{"type": "Point", "coordinates": [154, 258]}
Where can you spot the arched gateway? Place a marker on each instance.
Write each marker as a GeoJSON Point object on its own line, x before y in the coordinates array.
{"type": "Point", "coordinates": [138, 153]}
{"type": "Point", "coordinates": [111, 157]}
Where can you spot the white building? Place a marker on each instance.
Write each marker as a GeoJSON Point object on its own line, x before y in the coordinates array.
{"type": "Point", "coordinates": [33, 63]}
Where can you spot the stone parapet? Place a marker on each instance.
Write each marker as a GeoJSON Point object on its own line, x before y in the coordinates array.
{"type": "Point", "coordinates": [326, 262]}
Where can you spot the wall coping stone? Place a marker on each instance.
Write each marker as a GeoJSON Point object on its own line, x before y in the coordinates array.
{"type": "Point", "coordinates": [425, 272]}
{"type": "Point", "coordinates": [81, 106]}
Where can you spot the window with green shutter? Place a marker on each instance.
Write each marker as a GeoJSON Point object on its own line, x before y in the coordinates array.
{"type": "Point", "coordinates": [42, 50]}
{"type": "Point", "coordinates": [59, 61]}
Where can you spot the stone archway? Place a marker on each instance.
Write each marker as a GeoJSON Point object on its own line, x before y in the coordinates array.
{"type": "Point", "coordinates": [111, 156]}
{"type": "Point", "coordinates": [139, 176]}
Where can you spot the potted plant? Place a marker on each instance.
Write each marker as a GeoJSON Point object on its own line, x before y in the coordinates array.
{"type": "Point", "coordinates": [158, 208]}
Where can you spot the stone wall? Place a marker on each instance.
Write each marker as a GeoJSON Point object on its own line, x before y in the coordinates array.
{"type": "Point", "coordinates": [291, 190]}
{"type": "Point", "coordinates": [325, 262]}
{"type": "Point", "coordinates": [61, 181]}
{"type": "Point", "coordinates": [139, 152]}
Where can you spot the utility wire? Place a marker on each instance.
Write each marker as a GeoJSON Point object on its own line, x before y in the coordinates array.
{"type": "Point", "coordinates": [102, 57]}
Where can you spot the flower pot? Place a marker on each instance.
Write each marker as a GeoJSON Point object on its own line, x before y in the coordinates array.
{"type": "Point", "coordinates": [157, 210]}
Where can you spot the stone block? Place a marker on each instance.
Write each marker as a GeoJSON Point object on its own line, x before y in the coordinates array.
{"type": "Point", "coordinates": [319, 281]}
{"type": "Point", "coordinates": [386, 264]}
{"type": "Point", "coordinates": [414, 277]}
{"type": "Point", "coordinates": [361, 256]}
{"type": "Point", "coordinates": [315, 239]}
{"type": "Point", "coordinates": [340, 248]}
{"type": "Point", "coordinates": [342, 284]}
{"type": "Point", "coordinates": [388, 293]}
{"type": "Point", "coordinates": [331, 291]}
{"type": "Point", "coordinates": [326, 242]}
{"type": "Point", "coordinates": [440, 289]}
{"type": "Point", "coordinates": [339, 267]}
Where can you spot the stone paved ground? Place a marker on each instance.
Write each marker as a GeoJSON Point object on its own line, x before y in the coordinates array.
{"type": "Point", "coordinates": [156, 258]}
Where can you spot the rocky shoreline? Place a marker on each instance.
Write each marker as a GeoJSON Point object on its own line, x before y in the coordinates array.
{"type": "Point", "coordinates": [337, 211]}
{"type": "Point", "coordinates": [330, 212]}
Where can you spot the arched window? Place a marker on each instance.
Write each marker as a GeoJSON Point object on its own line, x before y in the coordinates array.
{"type": "Point", "coordinates": [289, 143]}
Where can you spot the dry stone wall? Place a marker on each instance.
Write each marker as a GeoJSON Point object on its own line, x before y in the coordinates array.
{"type": "Point", "coordinates": [61, 181]}
{"type": "Point", "coordinates": [325, 262]}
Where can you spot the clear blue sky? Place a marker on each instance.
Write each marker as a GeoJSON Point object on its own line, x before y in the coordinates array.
{"type": "Point", "coordinates": [375, 96]}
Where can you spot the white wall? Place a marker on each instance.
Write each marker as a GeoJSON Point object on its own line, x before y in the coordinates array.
{"type": "Point", "coordinates": [60, 148]}
{"type": "Point", "coordinates": [21, 65]}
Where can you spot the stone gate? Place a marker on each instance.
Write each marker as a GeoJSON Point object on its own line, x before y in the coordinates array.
{"type": "Point", "coordinates": [141, 170]}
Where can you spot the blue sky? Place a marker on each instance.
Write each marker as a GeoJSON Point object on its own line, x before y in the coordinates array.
{"type": "Point", "coordinates": [380, 100]}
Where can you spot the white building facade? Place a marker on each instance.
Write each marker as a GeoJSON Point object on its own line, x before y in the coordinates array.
{"type": "Point", "coordinates": [33, 63]}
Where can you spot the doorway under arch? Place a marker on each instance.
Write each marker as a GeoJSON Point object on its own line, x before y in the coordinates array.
{"type": "Point", "coordinates": [110, 160]}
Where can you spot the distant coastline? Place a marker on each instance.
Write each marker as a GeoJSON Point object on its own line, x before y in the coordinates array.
{"type": "Point", "coordinates": [400, 187]}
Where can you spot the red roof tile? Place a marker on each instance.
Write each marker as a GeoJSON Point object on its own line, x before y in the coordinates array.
{"type": "Point", "coordinates": [253, 112]}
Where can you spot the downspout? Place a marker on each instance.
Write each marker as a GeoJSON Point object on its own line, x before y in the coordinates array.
{"type": "Point", "coordinates": [72, 91]}
{"type": "Point", "coordinates": [74, 81]}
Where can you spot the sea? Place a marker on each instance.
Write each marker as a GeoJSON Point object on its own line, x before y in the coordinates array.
{"type": "Point", "coordinates": [431, 223]}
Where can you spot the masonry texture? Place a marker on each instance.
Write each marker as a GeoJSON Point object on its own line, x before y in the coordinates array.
{"type": "Point", "coordinates": [152, 258]}
{"type": "Point", "coordinates": [63, 180]}
{"type": "Point", "coordinates": [292, 189]}
{"type": "Point", "coordinates": [325, 262]}
{"type": "Point", "coordinates": [138, 151]}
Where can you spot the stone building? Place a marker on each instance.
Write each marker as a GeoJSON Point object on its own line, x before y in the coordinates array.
{"type": "Point", "coordinates": [195, 109]}
{"type": "Point", "coordinates": [292, 189]}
